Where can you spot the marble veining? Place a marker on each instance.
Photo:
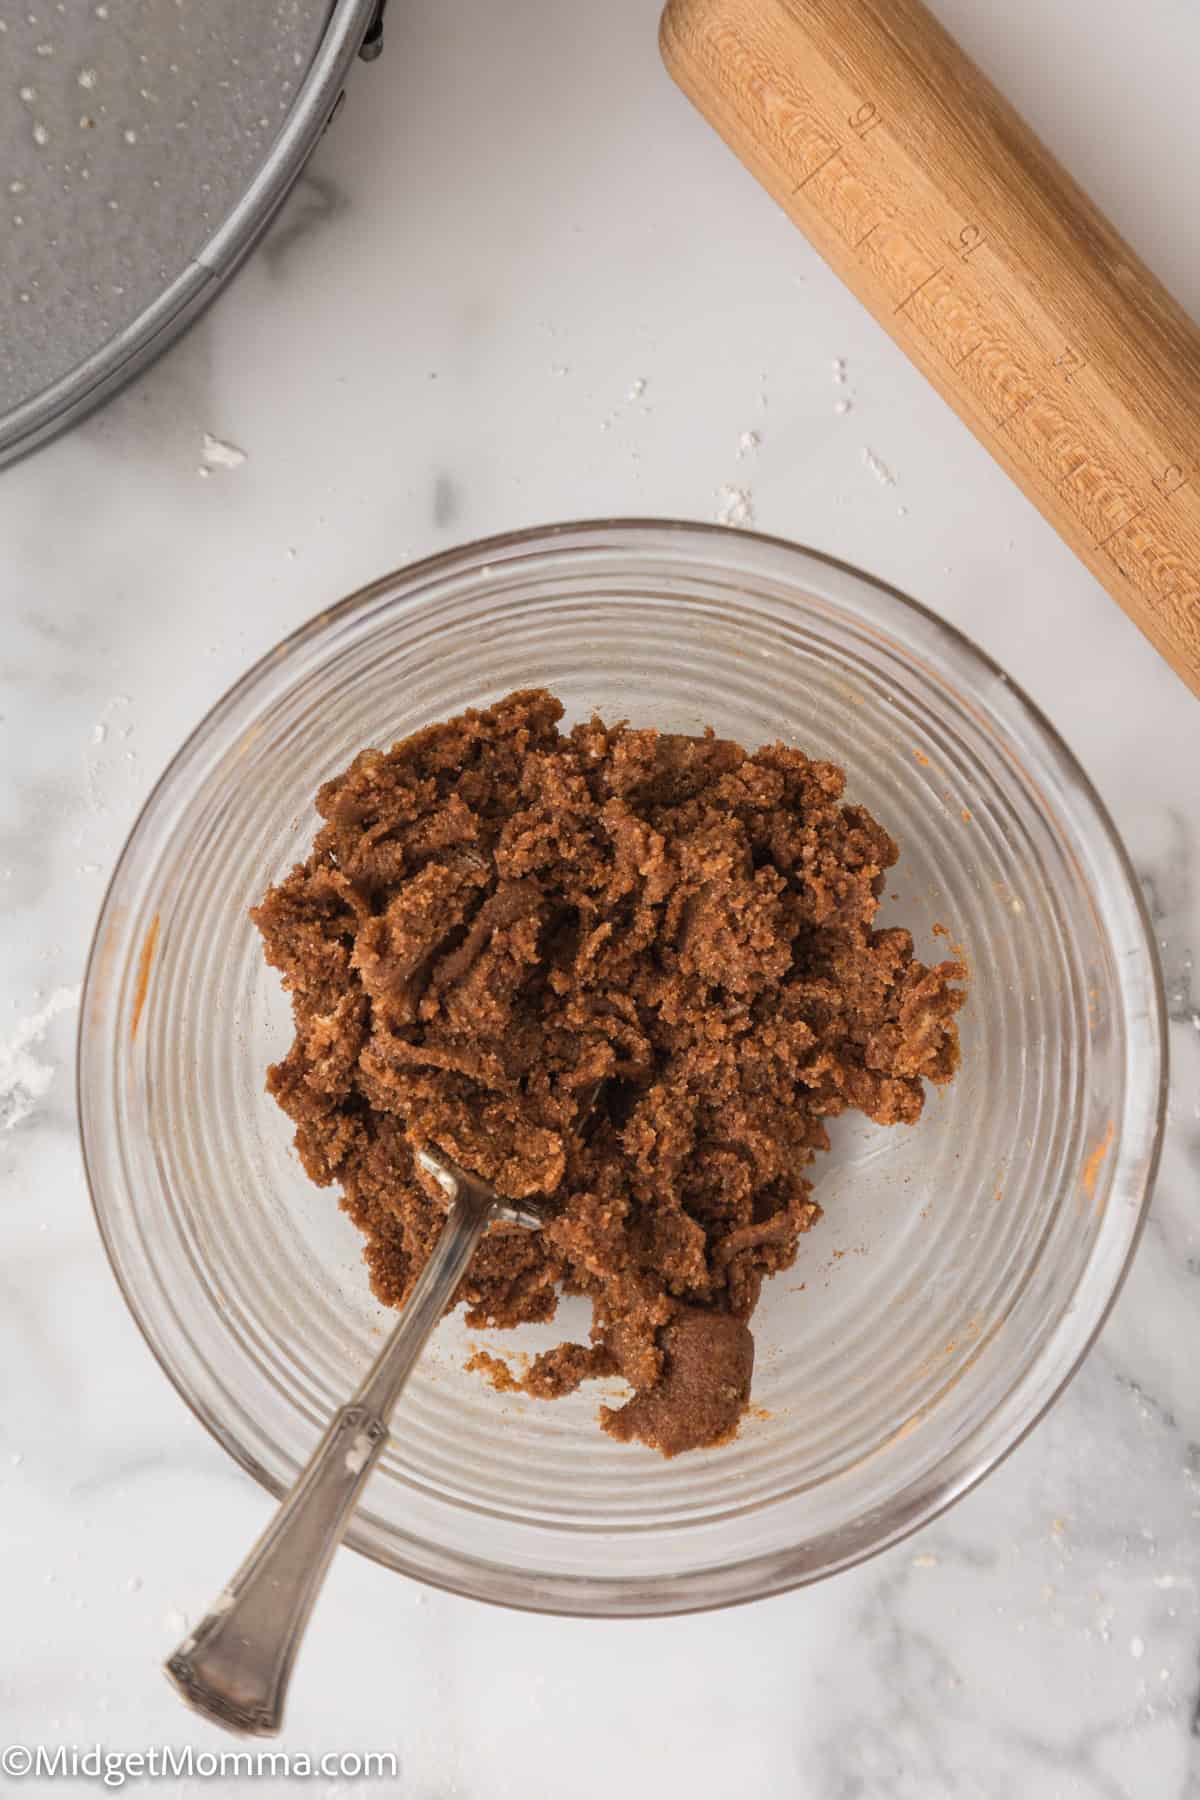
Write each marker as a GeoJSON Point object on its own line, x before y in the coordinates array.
{"type": "Point", "coordinates": [501, 298]}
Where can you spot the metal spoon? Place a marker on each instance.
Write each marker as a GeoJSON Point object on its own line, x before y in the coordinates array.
{"type": "Point", "coordinates": [235, 1666]}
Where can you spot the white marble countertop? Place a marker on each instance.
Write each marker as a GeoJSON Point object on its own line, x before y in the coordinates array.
{"type": "Point", "coordinates": [515, 223]}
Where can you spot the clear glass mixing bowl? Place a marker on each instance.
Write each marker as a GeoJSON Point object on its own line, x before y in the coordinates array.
{"type": "Point", "coordinates": [962, 1267]}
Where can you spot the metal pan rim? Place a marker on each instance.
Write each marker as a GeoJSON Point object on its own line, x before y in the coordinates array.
{"type": "Point", "coordinates": [132, 349]}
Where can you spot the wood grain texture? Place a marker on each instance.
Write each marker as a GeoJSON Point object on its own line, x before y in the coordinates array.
{"type": "Point", "coordinates": [987, 263]}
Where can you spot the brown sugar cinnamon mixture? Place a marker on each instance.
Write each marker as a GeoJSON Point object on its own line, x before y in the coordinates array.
{"type": "Point", "coordinates": [495, 918]}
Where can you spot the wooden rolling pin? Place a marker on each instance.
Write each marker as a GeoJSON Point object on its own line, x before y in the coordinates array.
{"type": "Point", "coordinates": [989, 266]}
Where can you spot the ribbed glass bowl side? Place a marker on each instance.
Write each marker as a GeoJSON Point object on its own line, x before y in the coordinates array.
{"type": "Point", "coordinates": [962, 1266]}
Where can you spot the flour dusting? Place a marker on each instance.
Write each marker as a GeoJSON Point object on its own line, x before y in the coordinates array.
{"type": "Point", "coordinates": [220, 455]}
{"type": "Point", "coordinates": [24, 1079]}
{"type": "Point", "coordinates": [878, 468]}
{"type": "Point", "coordinates": [736, 505]}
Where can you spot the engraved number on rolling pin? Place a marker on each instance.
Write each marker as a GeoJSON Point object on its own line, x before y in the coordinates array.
{"type": "Point", "coordinates": [1171, 480]}
{"type": "Point", "coordinates": [969, 240]}
{"type": "Point", "coordinates": [864, 119]}
{"type": "Point", "coordinates": [1071, 363]}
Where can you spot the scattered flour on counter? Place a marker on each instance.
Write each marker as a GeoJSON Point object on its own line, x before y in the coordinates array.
{"type": "Point", "coordinates": [23, 1078]}
{"type": "Point", "coordinates": [748, 443]}
{"type": "Point", "coordinates": [219, 455]}
{"type": "Point", "coordinates": [94, 797]}
{"type": "Point", "coordinates": [877, 467]}
{"type": "Point", "coordinates": [843, 407]}
{"type": "Point", "coordinates": [637, 388]}
{"type": "Point", "coordinates": [94, 765]}
{"type": "Point", "coordinates": [736, 505]}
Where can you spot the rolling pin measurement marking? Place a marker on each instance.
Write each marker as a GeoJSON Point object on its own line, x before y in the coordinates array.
{"type": "Point", "coordinates": [919, 289]}
{"type": "Point", "coordinates": [1098, 431]}
{"type": "Point", "coordinates": [1021, 408]}
{"type": "Point", "coordinates": [1123, 526]}
{"type": "Point", "coordinates": [1102, 503]}
{"type": "Point", "coordinates": [1170, 481]}
{"type": "Point", "coordinates": [813, 173]}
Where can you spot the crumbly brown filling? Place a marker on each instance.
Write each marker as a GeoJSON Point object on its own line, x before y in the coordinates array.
{"type": "Point", "coordinates": [499, 920]}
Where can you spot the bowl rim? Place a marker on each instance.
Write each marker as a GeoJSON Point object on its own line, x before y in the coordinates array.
{"type": "Point", "coordinates": [766, 1573]}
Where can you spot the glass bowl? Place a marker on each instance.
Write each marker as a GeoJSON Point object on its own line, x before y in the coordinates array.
{"type": "Point", "coordinates": [962, 1267]}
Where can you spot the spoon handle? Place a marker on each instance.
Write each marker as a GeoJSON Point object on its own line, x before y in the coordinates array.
{"type": "Point", "coordinates": [235, 1666]}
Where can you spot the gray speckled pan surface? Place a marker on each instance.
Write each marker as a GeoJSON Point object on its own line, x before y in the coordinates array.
{"type": "Point", "coordinates": [130, 130]}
